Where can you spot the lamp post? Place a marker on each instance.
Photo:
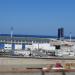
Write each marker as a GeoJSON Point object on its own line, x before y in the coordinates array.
{"type": "Point", "coordinates": [11, 37]}
{"type": "Point", "coordinates": [70, 36]}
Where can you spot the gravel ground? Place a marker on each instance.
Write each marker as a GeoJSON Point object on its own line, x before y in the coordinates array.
{"type": "Point", "coordinates": [29, 61]}
{"type": "Point", "coordinates": [6, 63]}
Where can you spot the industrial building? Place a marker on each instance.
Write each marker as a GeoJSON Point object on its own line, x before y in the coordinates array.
{"type": "Point", "coordinates": [27, 44]}
{"type": "Point", "coordinates": [22, 42]}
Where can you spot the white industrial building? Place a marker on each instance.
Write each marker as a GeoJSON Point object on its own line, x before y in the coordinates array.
{"type": "Point", "coordinates": [44, 46]}
{"type": "Point", "coordinates": [22, 43]}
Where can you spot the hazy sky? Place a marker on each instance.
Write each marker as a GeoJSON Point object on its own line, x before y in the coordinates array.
{"type": "Point", "coordinates": [38, 17]}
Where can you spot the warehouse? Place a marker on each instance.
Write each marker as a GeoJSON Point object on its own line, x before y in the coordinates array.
{"type": "Point", "coordinates": [27, 45]}
{"type": "Point", "coordinates": [22, 42]}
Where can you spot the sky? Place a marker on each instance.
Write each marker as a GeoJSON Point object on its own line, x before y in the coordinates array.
{"type": "Point", "coordinates": [37, 17]}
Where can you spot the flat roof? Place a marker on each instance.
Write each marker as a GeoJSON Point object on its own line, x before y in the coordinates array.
{"type": "Point", "coordinates": [34, 36]}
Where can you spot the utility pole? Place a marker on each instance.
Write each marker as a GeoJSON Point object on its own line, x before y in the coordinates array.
{"type": "Point", "coordinates": [11, 37]}
{"type": "Point", "coordinates": [11, 32]}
